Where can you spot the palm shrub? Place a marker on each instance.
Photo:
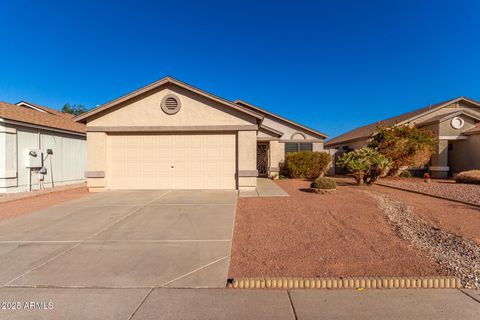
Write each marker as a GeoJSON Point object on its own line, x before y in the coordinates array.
{"type": "Point", "coordinates": [405, 146]}
{"type": "Point", "coordinates": [366, 165]}
{"type": "Point", "coordinates": [307, 164]}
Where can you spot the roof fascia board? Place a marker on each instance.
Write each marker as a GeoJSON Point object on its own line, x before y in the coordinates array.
{"type": "Point", "coordinates": [36, 126]}
{"type": "Point", "coordinates": [440, 107]}
{"type": "Point", "coordinates": [28, 105]}
{"type": "Point", "coordinates": [157, 84]}
{"type": "Point", "coordinates": [271, 130]}
{"type": "Point", "coordinates": [318, 133]}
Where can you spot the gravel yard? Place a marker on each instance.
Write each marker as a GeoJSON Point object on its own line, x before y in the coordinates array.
{"type": "Point", "coordinates": [469, 193]}
{"type": "Point", "coordinates": [314, 235]}
{"type": "Point", "coordinates": [450, 216]}
{"type": "Point", "coordinates": [24, 205]}
{"type": "Point", "coordinates": [453, 252]}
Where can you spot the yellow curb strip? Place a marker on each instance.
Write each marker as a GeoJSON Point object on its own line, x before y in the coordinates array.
{"type": "Point", "coordinates": [347, 283]}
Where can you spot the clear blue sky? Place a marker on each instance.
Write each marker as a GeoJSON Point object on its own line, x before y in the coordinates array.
{"type": "Point", "coordinates": [332, 65]}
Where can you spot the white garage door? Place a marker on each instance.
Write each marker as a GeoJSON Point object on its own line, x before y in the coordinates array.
{"type": "Point", "coordinates": [180, 161]}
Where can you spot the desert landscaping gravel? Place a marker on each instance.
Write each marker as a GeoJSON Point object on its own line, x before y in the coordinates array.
{"type": "Point", "coordinates": [454, 217]}
{"type": "Point", "coordinates": [469, 193]}
{"type": "Point", "coordinates": [315, 235]}
{"type": "Point", "coordinates": [18, 207]}
{"type": "Point", "coordinates": [454, 253]}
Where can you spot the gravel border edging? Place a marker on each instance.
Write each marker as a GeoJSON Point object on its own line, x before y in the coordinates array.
{"type": "Point", "coordinates": [10, 197]}
{"type": "Point", "coordinates": [428, 194]}
{"type": "Point", "coordinates": [347, 283]}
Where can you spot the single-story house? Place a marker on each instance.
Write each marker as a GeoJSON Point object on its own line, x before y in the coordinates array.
{"type": "Point", "coordinates": [455, 123]}
{"type": "Point", "coordinates": [171, 135]}
{"type": "Point", "coordinates": [39, 147]}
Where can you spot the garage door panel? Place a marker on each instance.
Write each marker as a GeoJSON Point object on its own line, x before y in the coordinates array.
{"type": "Point", "coordinates": [198, 161]}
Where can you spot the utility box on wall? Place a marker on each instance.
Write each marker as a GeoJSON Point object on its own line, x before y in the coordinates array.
{"type": "Point", "coordinates": [34, 158]}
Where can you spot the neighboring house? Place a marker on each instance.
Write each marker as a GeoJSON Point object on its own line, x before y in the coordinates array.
{"type": "Point", "coordinates": [32, 137]}
{"type": "Point", "coordinates": [455, 123]}
{"type": "Point", "coordinates": [171, 135]}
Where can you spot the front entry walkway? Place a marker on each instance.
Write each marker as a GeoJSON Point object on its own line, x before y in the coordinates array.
{"type": "Point", "coordinates": [265, 188]}
{"type": "Point", "coordinates": [122, 239]}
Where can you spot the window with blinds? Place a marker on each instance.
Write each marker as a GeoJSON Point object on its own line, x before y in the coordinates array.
{"type": "Point", "coordinates": [297, 147]}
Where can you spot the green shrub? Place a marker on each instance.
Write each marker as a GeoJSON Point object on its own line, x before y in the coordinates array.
{"type": "Point", "coordinates": [324, 183]}
{"type": "Point", "coordinates": [366, 165]}
{"type": "Point", "coordinates": [471, 177]}
{"type": "Point", "coordinates": [307, 164]}
{"type": "Point", "coordinates": [406, 174]}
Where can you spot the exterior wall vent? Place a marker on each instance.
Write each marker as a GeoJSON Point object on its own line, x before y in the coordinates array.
{"type": "Point", "coordinates": [171, 104]}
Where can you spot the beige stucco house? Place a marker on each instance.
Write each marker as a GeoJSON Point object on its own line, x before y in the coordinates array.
{"type": "Point", "coordinates": [171, 135]}
{"type": "Point", "coordinates": [455, 123]}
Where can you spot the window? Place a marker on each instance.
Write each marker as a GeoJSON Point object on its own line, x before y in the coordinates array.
{"type": "Point", "coordinates": [297, 147]}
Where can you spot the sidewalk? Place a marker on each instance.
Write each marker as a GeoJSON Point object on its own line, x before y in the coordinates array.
{"type": "Point", "coordinates": [144, 303]}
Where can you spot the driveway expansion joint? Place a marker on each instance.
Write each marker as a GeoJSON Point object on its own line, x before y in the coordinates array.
{"type": "Point", "coordinates": [83, 241]}
{"type": "Point", "coordinates": [475, 298]}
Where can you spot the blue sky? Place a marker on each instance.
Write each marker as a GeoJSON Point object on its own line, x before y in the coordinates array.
{"type": "Point", "coordinates": [332, 65]}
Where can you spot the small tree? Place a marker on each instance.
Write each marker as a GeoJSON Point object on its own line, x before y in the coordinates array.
{"type": "Point", "coordinates": [366, 165]}
{"type": "Point", "coordinates": [405, 146]}
{"type": "Point", "coordinates": [74, 109]}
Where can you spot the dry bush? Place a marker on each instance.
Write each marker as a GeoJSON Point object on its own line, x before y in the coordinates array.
{"type": "Point", "coordinates": [470, 177]}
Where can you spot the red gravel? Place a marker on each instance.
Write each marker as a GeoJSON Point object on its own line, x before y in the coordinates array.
{"type": "Point", "coordinates": [15, 208]}
{"type": "Point", "coordinates": [469, 193]}
{"type": "Point", "coordinates": [313, 235]}
{"type": "Point", "coordinates": [463, 220]}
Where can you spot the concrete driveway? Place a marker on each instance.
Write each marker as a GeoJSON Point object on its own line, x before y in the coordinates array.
{"type": "Point", "coordinates": [122, 239]}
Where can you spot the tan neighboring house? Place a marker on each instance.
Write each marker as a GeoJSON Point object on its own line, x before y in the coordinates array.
{"type": "Point", "coordinates": [171, 135]}
{"type": "Point", "coordinates": [455, 123]}
{"type": "Point", "coordinates": [39, 147]}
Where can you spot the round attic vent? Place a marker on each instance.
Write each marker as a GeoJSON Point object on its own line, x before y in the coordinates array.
{"type": "Point", "coordinates": [457, 123]}
{"type": "Point", "coordinates": [171, 104]}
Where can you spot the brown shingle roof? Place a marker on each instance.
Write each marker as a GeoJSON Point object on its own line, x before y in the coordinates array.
{"type": "Point", "coordinates": [366, 131]}
{"type": "Point", "coordinates": [52, 118]}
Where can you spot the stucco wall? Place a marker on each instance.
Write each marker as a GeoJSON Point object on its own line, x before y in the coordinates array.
{"type": "Point", "coordinates": [66, 164]}
{"type": "Point", "coordinates": [465, 154]}
{"type": "Point", "coordinates": [96, 163]}
{"type": "Point", "coordinates": [247, 159]}
{"type": "Point", "coordinates": [277, 157]}
{"type": "Point", "coordinates": [446, 129]}
{"type": "Point", "coordinates": [196, 110]}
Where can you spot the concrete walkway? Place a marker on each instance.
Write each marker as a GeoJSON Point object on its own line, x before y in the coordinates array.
{"type": "Point", "coordinates": [122, 239]}
{"type": "Point", "coordinates": [265, 188]}
{"type": "Point", "coordinates": [210, 304]}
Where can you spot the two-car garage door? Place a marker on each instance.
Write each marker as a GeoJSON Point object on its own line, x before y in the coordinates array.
{"type": "Point", "coordinates": [171, 161]}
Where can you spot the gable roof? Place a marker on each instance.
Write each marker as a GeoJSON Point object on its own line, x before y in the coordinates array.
{"type": "Point", "coordinates": [166, 80]}
{"type": "Point", "coordinates": [52, 120]}
{"type": "Point", "coordinates": [24, 103]}
{"type": "Point", "coordinates": [443, 117]}
{"type": "Point", "coordinates": [271, 130]}
{"type": "Point", "coordinates": [260, 110]}
{"type": "Point", "coordinates": [367, 130]}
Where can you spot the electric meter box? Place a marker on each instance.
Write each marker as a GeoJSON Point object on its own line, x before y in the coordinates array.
{"type": "Point", "coordinates": [34, 158]}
